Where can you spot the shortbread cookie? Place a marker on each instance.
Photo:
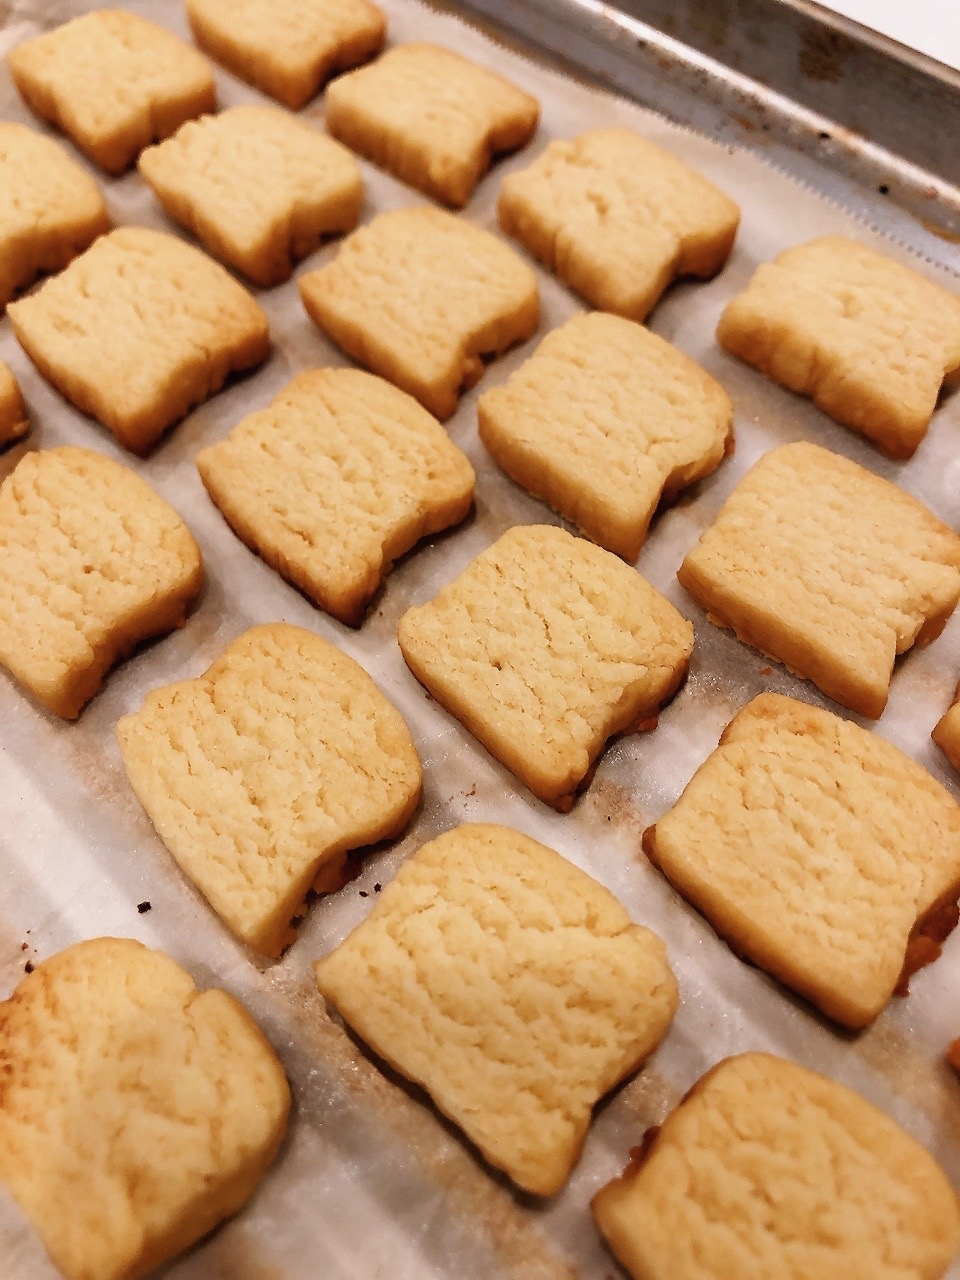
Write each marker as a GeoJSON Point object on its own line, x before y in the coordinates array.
{"type": "Point", "coordinates": [50, 209]}
{"type": "Point", "coordinates": [544, 647]}
{"type": "Point", "coordinates": [113, 82]}
{"type": "Point", "coordinates": [617, 218]}
{"type": "Point", "coordinates": [263, 774]}
{"type": "Point", "coordinates": [431, 117]}
{"type": "Point", "coordinates": [13, 412]}
{"type": "Point", "coordinates": [827, 568]}
{"type": "Point", "coordinates": [136, 1111]}
{"type": "Point", "coordinates": [512, 987]}
{"type": "Point", "coordinates": [288, 50]}
{"type": "Point", "coordinates": [947, 733]}
{"type": "Point", "coordinates": [869, 340]}
{"type": "Point", "coordinates": [92, 562]}
{"type": "Point", "coordinates": [339, 476]}
{"type": "Point", "coordinates": [138, 330]}
{"type": "Point", "coordinates": [768, 1171]}
{"type": "Point", "coordinates": [604, 421]}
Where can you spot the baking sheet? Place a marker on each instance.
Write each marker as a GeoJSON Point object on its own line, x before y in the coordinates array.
{"type": "Point", "coordinates": [371, 1182]}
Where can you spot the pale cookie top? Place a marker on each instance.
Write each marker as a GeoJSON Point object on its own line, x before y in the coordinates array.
{"type": "Point", "coordinates": [113, 82]}
{"type": "Point", "coordinates": [618, 218]}
{"type": "Point", "coordinates": [431, 117]}
{"type": "Point", "coordinates": [420, 296]}
{"type": "Point", "coordinates": [259, 187]}
{"type": "Point", "coordinates": [604, 420]}
{"type": "Point", "coordinates": [13, 412]}
{"type": "Point", "coordinates": [136, 1112]}
{"type": "Point", "coordinates": [768, 1171]}
{"type": "Point", "coordinates": [870, 340]}
{"type": "Point", "coordinates": [825, 566]}
{"type": "Point", "coordinates": [341, 474]}
{"type": "Point", "coordinates": [279, 760]}
{"type": "Point", "coordinates": [511, 986]}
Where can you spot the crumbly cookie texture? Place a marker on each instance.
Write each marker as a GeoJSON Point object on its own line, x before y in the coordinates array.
{"type": "Point", "coordinates": [262, 775]}
{"type": "Point", "coordinates": [339, 476]}
{"type": "Point", "coordinates": [288, 50]}
{"type": "Point", "coordinates": [113, 82]}
{"type": "Point", "coordinates": [136, 1112]}
{"type": "Point", "coordinates": [432, 117]}
{"type": "Point", "coordinates": [423, 298]}
{"type": "Point", "coordinates": [868, 339]}
{"type": "Point", "coordinates": [618, 218]}
{"type": "Point", "coordinates": [947, 732]}
{"type": "Point", "coordinates": [556, 998]}
{"type": "Point", "coordinates": [768, 1171]}
{"type": "Point", "coordinates": [605, 421]}
{"type": "Point", "coordinates": [544, 647]}
{"type": "Point", "coordinates": [138, 330]}
{"type": "Point", "coordinates": [13, 412]}
{"type": "Point", "coordinates": [827, 568]}
{"type": "Point", "coordinates": [92, 562]}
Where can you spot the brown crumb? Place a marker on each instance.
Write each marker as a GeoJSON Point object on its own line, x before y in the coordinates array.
{"type": "Point", "coordinates": [364, 894]}
{"type": "Point", "coordinates": [766, 671]}
{"type": "Point", "coordinates": [144, 907]}
{"type": "Point", "coordinates": [28, 967]}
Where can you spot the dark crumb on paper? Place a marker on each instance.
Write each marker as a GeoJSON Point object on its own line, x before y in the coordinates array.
{"type": "Point", "coordinates": [766, 671]}
{"type": "Point", "coordinates": [28, 967]}
{"type": "Point", "coordinates": [24, 945]}
{"type": "Point", "coordinates": [364, 894]}
{"type": "Point", "coordinates": [144, 907]}
{"type": "Point", "coordinates": [883, 189]}
{"type": "Point", "coordinates": [823, 135]}
{"type": "Point", "coordinates": [471, 792]}
{"type": "Point", "coordinates": [377, 887]}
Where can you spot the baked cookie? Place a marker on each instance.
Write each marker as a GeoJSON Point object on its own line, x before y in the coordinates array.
{"type": "Point", "coordinates": [768, 1171]}
{"type": "Point", "coordinates": [113, 82]}
{"type": "Point", "coordinates": [618, 218]}
{"type": "Point", "coordinates": [92, 562]}
{"type": "Point", "coordinates": [512, 987]}
{"type": "Point", "coordinates": [544, 647]}
{"type": "Point", "coordinates": [13, 412]}
{"type": "Point", "coordinates": [339, 476]}
{"type": "Point", "coordinates": [947, 732]}
{"type": "Point", "coordinates": [262, 775]}
{"type": "Point", "coordinates": [432, 117]}
{"type": "Point", "coordinates": [138, 330]}
{"type": "Point", "coordinates": [953, 1055]}
{"type": "Point", "coordinates": [869, 340]}
{"type": "Point", "coordinates": [423, 298]}
{"type": "Point", "coordinates": [136, 1112]}
{"type": "Point", "coordinates": [827, 568]}
{"type": "Point", "coordinates": [605, 421]}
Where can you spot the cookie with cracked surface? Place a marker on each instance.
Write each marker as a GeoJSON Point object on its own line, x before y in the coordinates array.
{"type": "Point", "coordinates": [13, 412]}
{"type": "Point", "coordinates": [263, 774]}
{"type": "Point", "coordinates": [947, 732]}
{"type": "Point", "coordinates": [423, 298]}
{"type": "Point", "coordinates": [604, 421]}
{"type": "Point", "coordinates": [827, 568]}
{"type": "Point", "coordinates": [544, 647]}
{"type": "Point", "coordinates": [339, 476]}
{"type": "Point", "coordinates": [558, 997]}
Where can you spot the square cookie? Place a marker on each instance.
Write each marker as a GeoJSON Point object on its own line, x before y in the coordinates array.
{"type": "Point", "coordinates": [113, 82]}
{"type": "Point", "coordinates": [288, 50]}
{"type": "Point", "coordinates": [259, 187]}
{"type": "Point", "coordinates": [92, 562]}
{"type": "Point", "coordinates": [263, 774]}
{"type": "Point", "coordinates": [138, 330]}
{"type": "Point", "coordinates": [818, 851]}
{"type": "Point", "coordinates": [827, 568]}
{"type": "Point", "coordinates": [605, 421]}
{"type": "Point", "coordinates": [544, 647]}
{"type": "Point", "coordinates": [339, 476]}
{"type": "Point", "coordinates": [768, 1171]}
{"type": "Point", "coordinates": [618, 218]}
{"type": "Point", "coordinates": [512, 987]}
{"type": "Point", "coordinates": [13, 412]}
{"type": "Point", "coordinates": [424, 298]}
{"type": "Point", "coordinates": [136, 1113]}
{"type": "Point", "coordinates": [431, 117]}
{"type": "Point", "coordinates": [947, 732]}
{"type": "Point", "coordinates": [870, 341]}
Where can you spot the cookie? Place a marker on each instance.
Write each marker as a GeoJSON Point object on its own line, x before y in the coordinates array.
{"type": "Point", "coordinates": [136, 1113]}
{"type": "Point", "coordinates": [13, 412]}
{"type": "Point", "coordinates": [605, 421]}
{"type": "Point", "coordinates": [113, 82]}
{"type": "Point", "coordinates": [827, 568]}
{"type": "Point", "coordinates": [92, 562]}
{"type": "Point", "coordinates": [868, 339]}
{"type": "Point", "coordinates": [544, 647]}
{"type": "Point", "coordinates": [431, 117]}
{"type": "Point", "coordinates": [947, 732]}
{"type": "Point", "coordinates": [618, 218]}
{"type": "Point", "coordinates": [138, 330]}
{"type": "Point", "coordinates": [263, 774]}
{"type": "Point", "coordinates": [339, 476]}
{"type": "Point", "coordinates": [768, 1171]}
{"type": "Point", "coordinates": [511, 986]}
